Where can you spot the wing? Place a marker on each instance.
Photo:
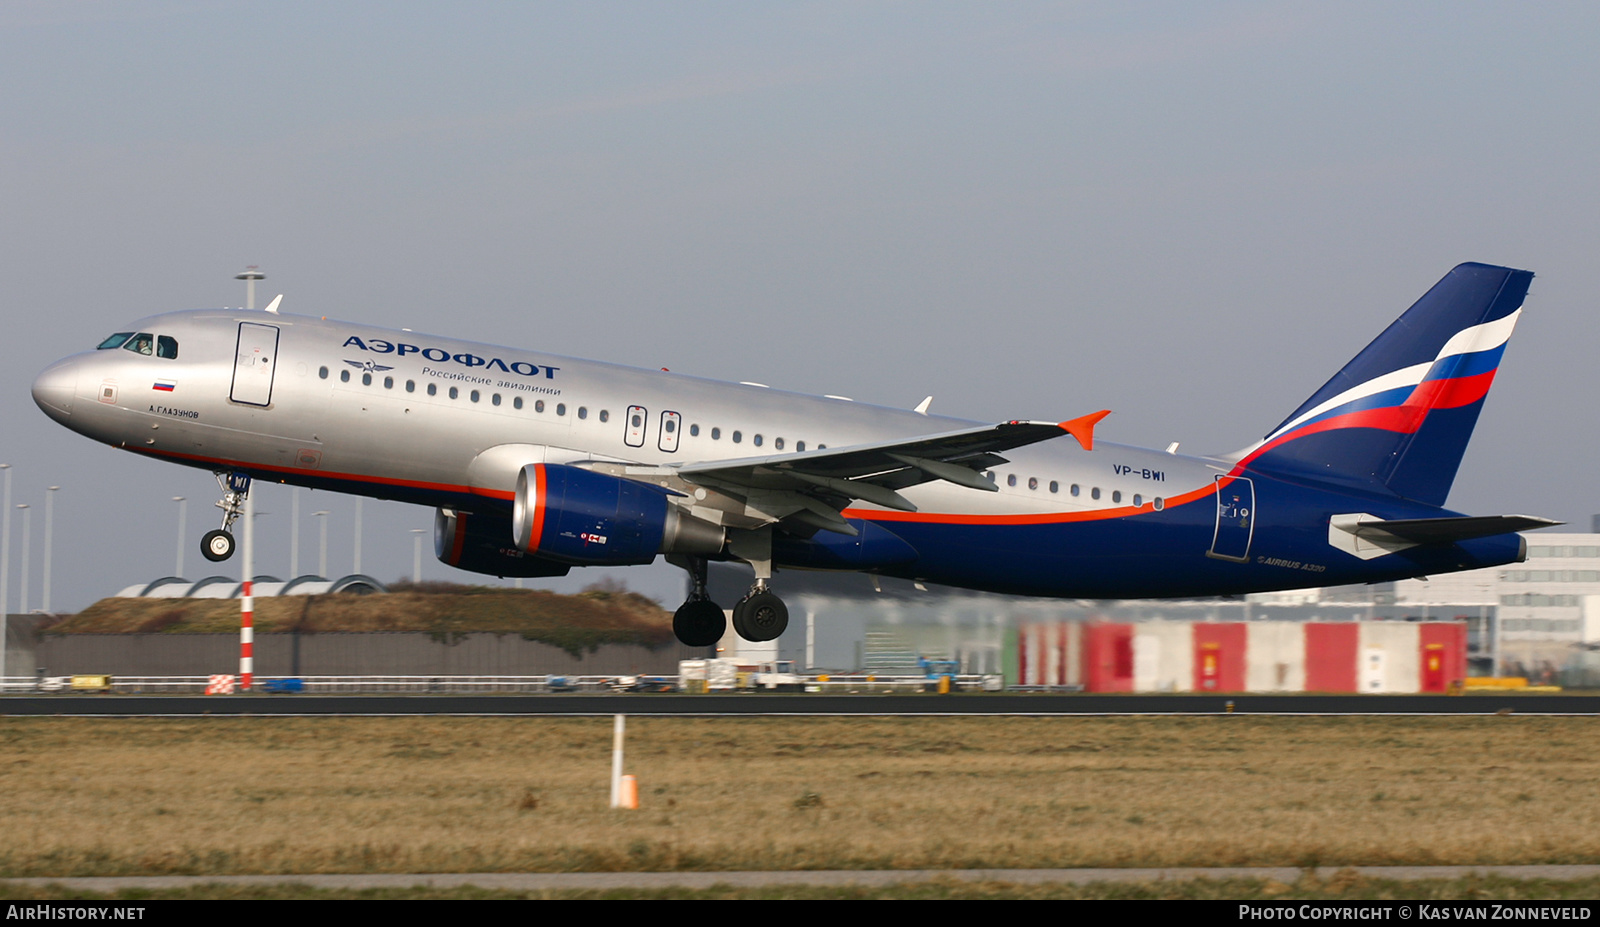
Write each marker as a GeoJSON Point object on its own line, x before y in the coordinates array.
{"type": "Point", "coordinates": [813, 487]}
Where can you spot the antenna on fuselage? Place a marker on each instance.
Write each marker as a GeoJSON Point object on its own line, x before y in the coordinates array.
{"type": "Point", "coordinates": [272, 307]}
{"type": "Point", "coordinates": [250, 276]}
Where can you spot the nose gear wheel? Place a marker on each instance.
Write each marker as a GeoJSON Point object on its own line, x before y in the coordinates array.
{"type": "Point", "coordinates": [218, 545]}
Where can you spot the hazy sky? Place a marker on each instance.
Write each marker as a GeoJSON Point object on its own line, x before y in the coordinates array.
{"type": "Point", "coordinates": [1192, 214]}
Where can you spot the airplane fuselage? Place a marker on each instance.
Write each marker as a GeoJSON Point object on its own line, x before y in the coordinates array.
{"type": "Point", "coordinates": [442, 422]}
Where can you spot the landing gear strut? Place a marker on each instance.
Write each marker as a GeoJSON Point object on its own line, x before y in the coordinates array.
{"type": "Point", "coordinates": [218, 545]}
{"type": "Point", "coordinates": [699, 621]}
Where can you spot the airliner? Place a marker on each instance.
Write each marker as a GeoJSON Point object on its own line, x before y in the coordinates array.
{"type": "Point", "coordinates": [537, 463]}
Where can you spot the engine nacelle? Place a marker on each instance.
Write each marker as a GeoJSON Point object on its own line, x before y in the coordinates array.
{"type": "Point", "coordinates": [481, 543]}
{"type": "Point", "coordinates": [579, 516]}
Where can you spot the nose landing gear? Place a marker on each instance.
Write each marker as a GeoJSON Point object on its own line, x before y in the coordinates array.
{"type": "Point", "coordinates": [218, 545]}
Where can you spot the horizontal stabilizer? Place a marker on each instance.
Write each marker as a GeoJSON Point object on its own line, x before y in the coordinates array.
{"type": "Point", "coordinates": [1368, 536]}
{"type": "Point", "coordinates": [1451, 530]}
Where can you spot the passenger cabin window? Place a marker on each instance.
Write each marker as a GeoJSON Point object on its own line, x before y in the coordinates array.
{"type": "Point", "coordinates": [167, 346]}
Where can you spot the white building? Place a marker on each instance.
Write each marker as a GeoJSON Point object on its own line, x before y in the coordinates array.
{"type": "Point", "coordinates": [1541, 609]}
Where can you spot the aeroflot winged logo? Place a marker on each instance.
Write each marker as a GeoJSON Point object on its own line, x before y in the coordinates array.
{"type": "Point", "coordinates": [440, 356]}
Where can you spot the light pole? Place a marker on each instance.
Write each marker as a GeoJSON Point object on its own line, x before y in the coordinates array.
{"type": "Point", "coordinates": [294, 532]}
{"type": "Point", "coordinates": [357, 568]}
{"type": "Point", "coordinates": [27, 526]}
{"type": "Point", "coordinates": [5, 574]}
{"type": "Point", "coordinates": [250, 276]}
{"type": "Point", "coordinates": [49, 533]}
{"type": "Point", "coordinates": [183, 508]}
{"type": "Point", "coordinates": [5, 549]}
{"type": "Point", "coordinates": [322, 551]}
{"type": "Point", "coordinates": [416, 554]}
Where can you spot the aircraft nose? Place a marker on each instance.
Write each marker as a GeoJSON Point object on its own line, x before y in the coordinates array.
{"type": "Point", "coordinates": [54, 388]}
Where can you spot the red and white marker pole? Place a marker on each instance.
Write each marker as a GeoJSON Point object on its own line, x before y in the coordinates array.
{"type": "Point", "coordinates": [247, 629]}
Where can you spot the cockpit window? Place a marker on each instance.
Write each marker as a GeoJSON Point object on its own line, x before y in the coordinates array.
{"type": "Point", "coordinates": [142, 343]}
{"type": "Point", "coordinates": [166, 346]}
{"type": "Point", "coordinates": [115, 341]}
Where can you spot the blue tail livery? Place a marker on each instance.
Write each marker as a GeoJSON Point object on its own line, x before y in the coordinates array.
{"type": "Point", "coordinates": [1397, 418]}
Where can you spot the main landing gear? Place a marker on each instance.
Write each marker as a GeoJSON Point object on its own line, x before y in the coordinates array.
{"type": "Point", "coordinates": [218, 545]}
{"type": "Point", "coordinates": [759, 616]}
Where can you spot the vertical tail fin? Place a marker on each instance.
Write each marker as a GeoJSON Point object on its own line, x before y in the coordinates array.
{"type": "Point", "coordinates": [1397, 418]}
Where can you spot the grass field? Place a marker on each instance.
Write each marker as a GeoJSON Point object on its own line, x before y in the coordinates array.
{"type": "Point", "coordinates": [257, 795]}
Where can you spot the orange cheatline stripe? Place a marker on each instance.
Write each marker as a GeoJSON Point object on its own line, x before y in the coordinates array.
{"type": "Point", "coordinates": [868, 514]}
{"type": "Point", "coordinates": [506, 495]}
{"type": "Point", "coordinates": [1040, 518]}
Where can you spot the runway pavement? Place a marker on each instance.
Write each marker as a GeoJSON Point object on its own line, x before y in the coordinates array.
{"type": "Point", "coordinates": [258, 705]}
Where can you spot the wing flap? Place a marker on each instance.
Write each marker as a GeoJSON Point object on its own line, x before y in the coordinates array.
{"type": "Point", "coordinates": [831, 478]}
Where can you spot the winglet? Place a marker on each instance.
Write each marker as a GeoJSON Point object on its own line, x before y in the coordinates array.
{"type": "Point", "coordinates": [1082, 427]}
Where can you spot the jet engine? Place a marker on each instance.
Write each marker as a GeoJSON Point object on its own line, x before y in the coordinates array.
{"type": "Point", "coordinates": [578, 516]}
{"type": "Point", "coordinates": [481, 543]}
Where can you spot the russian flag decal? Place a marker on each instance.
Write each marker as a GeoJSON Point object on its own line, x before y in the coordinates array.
{"type": "Point", "coordinates": [166, 386]}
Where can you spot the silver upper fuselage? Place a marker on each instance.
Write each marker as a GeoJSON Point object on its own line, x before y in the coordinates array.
{"type": "Point", "coordinates": [349, 408]}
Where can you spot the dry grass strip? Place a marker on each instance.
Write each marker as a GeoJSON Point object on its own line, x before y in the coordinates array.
{"type": "Point", "coordinates": [260, 795]}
